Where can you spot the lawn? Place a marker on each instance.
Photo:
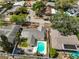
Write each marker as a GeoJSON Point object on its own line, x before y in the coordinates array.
{"type": "Point", "coordinates": [23, 43]}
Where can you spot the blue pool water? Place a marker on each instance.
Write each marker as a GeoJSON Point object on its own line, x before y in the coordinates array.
{"type": "Point", "coordinates": [75, 55]}
{"type": "Point", "coordinates": [40, 47]}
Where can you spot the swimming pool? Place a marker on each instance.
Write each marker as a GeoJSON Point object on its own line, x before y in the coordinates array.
{"type": "Point", "coordinates": [75, 54]}
{"type": "Point", "coordinates": [41, 47]}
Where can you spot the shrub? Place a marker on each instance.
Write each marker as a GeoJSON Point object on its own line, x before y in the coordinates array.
{"type": "Point", "coordinates": [23, 42]}
{"type": "Point", "coordinates": [18, 19]}
{"type": "Point", "coordinates": [53, 53]}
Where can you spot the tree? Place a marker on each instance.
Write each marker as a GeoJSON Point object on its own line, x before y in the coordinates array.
{"type": "Point", "coordinates": [7, 5]}
{"type": "Point", "coordinates": [18, 34]}
{"type": "Point", "coordinates": [18, 19]}
{"type": "Point", "coordinates": [23, 42]}
{"type": "Point", "coordinates": [1, 22]}
{"type": "Point", "coordinates": [7, 46]}
{"type": "Point", "coordinates": [1, 16]}
{"type": "Point", "coordinates": [53, 53]}
{"type": "Point", "coordinates": [66, 24]}
{"type": "Point", "coordinates": [22, 10]}
{"type": "Point", "coordinates": [64, 4]}
{"type": "Point", "coordinates": [78, 35]}
{"type": "Point", "coordinates": [38, 7]}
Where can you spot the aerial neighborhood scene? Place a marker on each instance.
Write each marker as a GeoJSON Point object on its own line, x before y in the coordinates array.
{"type": "Point", "coordinates": [39, 29]}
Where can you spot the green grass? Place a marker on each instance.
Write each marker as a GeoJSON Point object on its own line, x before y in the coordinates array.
{"type": "Point", "coordinates": [23, 42]}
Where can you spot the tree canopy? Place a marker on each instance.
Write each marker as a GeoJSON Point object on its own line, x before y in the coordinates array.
{"type": "Point", "coordinates": [7, 5]}
{"type": "Point", "coordinates": [7, 46]}
{"type": "Point", "coordinates": [1, 22]}
{"type": "Point", "coordinates": [64, 4]}
{"type": "Point", "coordinates": [66, 24]}
{"type": "Point", "coordinates": [22, 10]}
{"type": "Point", "coordinates": [38, 7]}
{"type": "Point", "coordinates": [18, 19]}
{"type": "Point", "coordinates": [53, 53]}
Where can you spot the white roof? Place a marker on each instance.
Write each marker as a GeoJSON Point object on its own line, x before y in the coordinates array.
{"type": "Point", "coordinates": [21, 3]}
{"type": "Point", "coordinates": [51, 4]}
{"type": "Point", "coordinates": [26, 50]}
{"type": "Point", "coordinates": [78, 2]}
{"type": "Point", "coordinates": [53, 11]}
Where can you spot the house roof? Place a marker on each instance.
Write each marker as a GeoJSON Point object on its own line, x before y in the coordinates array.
{"type": "Point", "coordinates": [13, 32]}
{"type": "Point", "coordinates": [50, 4]}
{"type": "Point", "coordinates": [21, 3]}
{"type": "Point", "coordinates": [32, 34]}
{"type": "Point", "coordinates": [53, 11]}
{"type": "Point", "coordinates": [58, 41]}
{"type": "Point", "coordinates": [2, 32]}
{"type": "Point", "coordinates": [10, 32]}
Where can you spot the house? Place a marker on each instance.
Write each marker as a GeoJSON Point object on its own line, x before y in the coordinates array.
{"type": "Point", "coordinates": [15, 6]}
{"type": "Point", "coordinates": [33, 35]}
{"type": "Point", "coordinates": [9, 0]}
{"type": "Point", "coordinates": [73, 11]}
{"type": "Point", "coordinates": [66, 43]}
{"type": "Point", "coordinates": [10, 32]}
{"type": "Point", "coordinates": [12, 35]}
{"type": "Point", "coordinates": [50, 8]}
{"type": "Point", "coordinates": [52, 4]}
{"type": "Point", "coordinates": [20, 3]}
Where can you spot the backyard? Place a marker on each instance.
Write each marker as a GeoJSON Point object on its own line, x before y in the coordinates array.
{"type": "Point", "coordinates": [23, 42]}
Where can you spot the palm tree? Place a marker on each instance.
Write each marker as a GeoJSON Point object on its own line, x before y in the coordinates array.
{"type": "Point", "coordinates": [7, 46]}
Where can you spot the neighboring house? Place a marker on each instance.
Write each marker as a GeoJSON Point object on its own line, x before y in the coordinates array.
{"type": "Point", "coordinates": [20, 3]}
{"type": "Point", "coordinates": [73, 11]}
{"type": "Point", "coordinates": [10, 0]}
{"type": "Point", "coordinates": [52, 4]}
{"type": "Point", "coordinates": [50, 8]}
{"type": "Point", "coordinates": [10, 32]}
{"type": "Point", "coordinates": [15, 6]}
{"type": "Point", "coordinates": [13, 9]}
{"type": "Point", "coordinates": [66, 43]}
{"type": "Point", "coordinates": [32, 35]}
{"type": "Point", "coordinates": [12, 35]}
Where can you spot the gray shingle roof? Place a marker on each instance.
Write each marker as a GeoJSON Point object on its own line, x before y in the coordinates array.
{"type": "Point", "coordinates": [33, 34]}
{"type": "Point", "coordinates": [13, 32]}
{"type": "Point", "coordinates": [58, 41]}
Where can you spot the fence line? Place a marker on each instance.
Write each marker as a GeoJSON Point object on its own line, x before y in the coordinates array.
{"type": "Point", "coordinates": [16, 56]}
